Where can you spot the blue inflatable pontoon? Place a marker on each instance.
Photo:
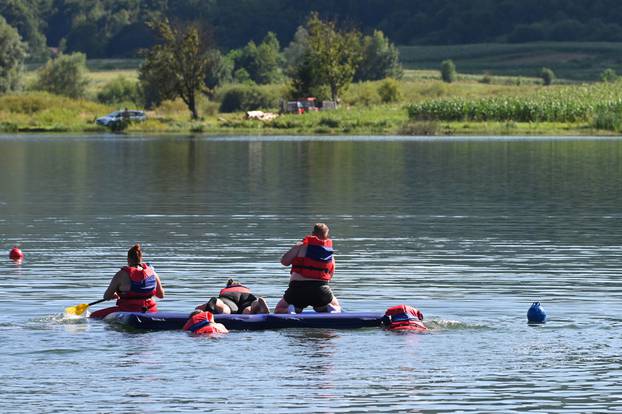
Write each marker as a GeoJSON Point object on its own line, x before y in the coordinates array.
{"type": "Point", "coordinates": [162, 321]}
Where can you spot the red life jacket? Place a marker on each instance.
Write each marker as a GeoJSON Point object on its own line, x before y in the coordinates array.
{"type": "Point", "coordinates": [404, 318]}
{"type": "Point", "coordinates": [234, 288]}
{"type": "Point", "coordinates": [143, 285]}
{"type": "Point", "coordinates": [318, 262]}
{"type": "Point", "coordinates": [203, 323]}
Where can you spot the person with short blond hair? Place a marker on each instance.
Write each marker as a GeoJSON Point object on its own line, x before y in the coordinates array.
{"type": "Point", "coordinates": [312, 267]}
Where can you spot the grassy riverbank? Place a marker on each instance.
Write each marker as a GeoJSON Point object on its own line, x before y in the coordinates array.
{"type": "Point", "coordinates": [423, 106]}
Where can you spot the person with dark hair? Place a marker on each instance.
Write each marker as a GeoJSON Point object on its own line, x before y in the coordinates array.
{"type": "Point", "coordinates": [133, 286]}
{"type": "Point", "coordinates": [312, 267]}
{"type": "Point", "coordinates": [235, 298]}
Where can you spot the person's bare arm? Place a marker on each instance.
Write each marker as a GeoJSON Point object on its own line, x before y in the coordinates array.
{"type": "Point", "coordinates": [291, 254]}
{"type": "Point", "coordinates": [159, 288]}
{"type": "Point", "coordinates": [113, 287]}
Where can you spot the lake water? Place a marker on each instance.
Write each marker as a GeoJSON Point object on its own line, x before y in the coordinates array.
{"type": "Point", "coordinates": [470, 231]}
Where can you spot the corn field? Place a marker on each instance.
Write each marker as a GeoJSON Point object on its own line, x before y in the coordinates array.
{"type": "Point", "coordinates": [559, 104]}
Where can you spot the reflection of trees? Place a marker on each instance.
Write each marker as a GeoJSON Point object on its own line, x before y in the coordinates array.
{"type": "Point", "coordinates": [312, 179]}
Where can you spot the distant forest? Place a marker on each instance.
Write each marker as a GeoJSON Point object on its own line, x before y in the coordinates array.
{"type": "Point", "coordinates": [115, 28]}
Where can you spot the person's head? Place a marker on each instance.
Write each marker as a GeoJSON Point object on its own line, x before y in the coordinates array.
{"type": "Point", "coordinates": [231, 282]}
{"type": "Point", "coordinates": [134, 255]}
{"type": "Point", "coordinates": [320, 230]}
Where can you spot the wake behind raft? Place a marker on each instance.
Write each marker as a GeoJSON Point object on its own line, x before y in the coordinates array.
{"type": "Point", "coordinates": [396, 318]}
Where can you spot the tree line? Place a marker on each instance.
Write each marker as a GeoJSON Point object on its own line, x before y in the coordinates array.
{"type": "Point", "coordinates": [116, 28]}
{"type": "Point", "coordinates": [184, 62]}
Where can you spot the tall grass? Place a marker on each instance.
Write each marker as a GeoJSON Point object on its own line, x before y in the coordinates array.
{"type": "Point", "coordinates": [46, 112]}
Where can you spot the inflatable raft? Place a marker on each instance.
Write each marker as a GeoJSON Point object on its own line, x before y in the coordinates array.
{"type": "Point", "coordinates": [163, 321]}
{"type": "Point", "coordinates": [397, 318]}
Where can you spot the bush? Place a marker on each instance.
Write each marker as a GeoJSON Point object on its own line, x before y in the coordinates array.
{"type": "Point", "coordinates": [609, 75]}
{"type": "Point", "coordinates": [248, 98]}
{"type": "Point", "coordinates": [548, 76]}
{"type": "Point", "coordinates": [389, 91]}
{"type": "Point", "coordinates": [486, 79]}
{"type": "Point", "coordinates": [609, 119]}
{"type": "Point", "coordinates": [361, 94]}
{"type": "Point", "coordinates": [448, 71]}
{"type": "Point", "coordinates": [120, 90]}
{"type": "Point", "coordinates": [65, 75]}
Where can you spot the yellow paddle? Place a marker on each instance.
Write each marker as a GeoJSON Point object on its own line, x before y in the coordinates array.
{"type": "Point", "coordinates": [81, 308]}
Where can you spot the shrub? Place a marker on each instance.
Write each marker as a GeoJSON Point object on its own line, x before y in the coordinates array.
{"type": "Point", "coordinates": [329, 122]}
{"type": "Point", "coordinates": [120, 90]}
{"type": "Point", "coordinates": [609, 75]}
{"type": "Point", "coordinates": [247, 98]}
{"type": "Point", "coordinates": [448, 71]}
{"type": "Point", "coordinates": [608, 118]}
{"type": "Point", "coordinates": [548, 76]}
{"type": "Point", "coordinates": [362, 94]}
{"type": "Point", "coordinates": [389, 91]}
{"type": "Point", "coordinates": [65, 75]}
{"type": "Point", "coordinates": [486, 79]}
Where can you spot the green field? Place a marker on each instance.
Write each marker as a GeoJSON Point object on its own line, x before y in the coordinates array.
{"type": "Point", "coordinates": [508, 100]}
{"type": "Point", "coordinates": [570, 60]}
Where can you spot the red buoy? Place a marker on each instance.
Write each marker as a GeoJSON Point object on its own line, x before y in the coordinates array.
{"type": "Point", "coordinates": [16, 254]}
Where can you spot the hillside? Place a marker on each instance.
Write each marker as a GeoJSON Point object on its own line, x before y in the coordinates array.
{"type": "Point", "coordinates": [569, 60]}
{"type": "Point", "coordinates": [112, 28]}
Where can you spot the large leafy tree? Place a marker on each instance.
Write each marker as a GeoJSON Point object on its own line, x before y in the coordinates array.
{"type": "Point", "coordinates": [331, 58]}
{"type": "Point", "coordinates": [295, 51]}
{"type": "Point", "coordinates": [177, 65]}
{"type": "Point", "coordinates": [380, 59]}
{"type": "Point", "coordinates": [262, 62]}
{"type": "Point", "coordinates": [24, 16]}
{"type": "Point", "coordinates": [12, 55]}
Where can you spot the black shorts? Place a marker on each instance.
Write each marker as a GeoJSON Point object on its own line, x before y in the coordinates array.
{"type": "Point", "coordinates": [244, 300]}
{"type": "Point", "coordinates": [304, 293]}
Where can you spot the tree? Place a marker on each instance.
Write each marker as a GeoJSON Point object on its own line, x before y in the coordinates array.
{"type": "Point", "coordinates": [448, 71]}
{"type": "Point", "coordinates": [609, 75]}
{"type": "Point", "coordinates": [269, 60]}
{"type": "Point", "coordinates": [65, 75]}
{"type": "Point", "coordinates": [12, 55]}
{"type": "Point", "coordinates": [177, 66]}
{"type": "Point", "coordinates": [548, 76]}
{"type": "Point", "coordinates": [22, 15]}
{"type": "Point", "coordinates": [294, 53]}
{"type": "Point", "coordinates": [219, 69]}
{"type": "Point", "coordinates": [331, 58]}
{"type": "Point", "coordinates": [380, 59]}
{"type": "Point", "coordinates": [262, 62]}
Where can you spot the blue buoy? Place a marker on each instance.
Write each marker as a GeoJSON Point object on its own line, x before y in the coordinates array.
{"type": "Point", "coordinates": [536, 313]}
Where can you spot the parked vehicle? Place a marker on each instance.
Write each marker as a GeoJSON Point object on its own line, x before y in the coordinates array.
{"type": "Point", "coordinates": [120, 116]}
{"type": "Point", "coordinates": [301, 106]}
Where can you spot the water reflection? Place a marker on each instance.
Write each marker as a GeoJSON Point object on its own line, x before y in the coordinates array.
{"type": "Point", "coordinates": [469, 231]}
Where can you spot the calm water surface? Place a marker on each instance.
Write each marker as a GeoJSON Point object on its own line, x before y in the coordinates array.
{"type": "Point", "coordinates": [470, 231]}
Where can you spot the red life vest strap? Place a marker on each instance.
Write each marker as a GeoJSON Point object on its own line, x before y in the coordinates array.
{"type": "Point", "coordinates": [234, 288]}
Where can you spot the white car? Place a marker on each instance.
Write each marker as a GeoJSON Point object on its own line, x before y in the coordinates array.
{"type": "Point", "coordinates": [123, 115]}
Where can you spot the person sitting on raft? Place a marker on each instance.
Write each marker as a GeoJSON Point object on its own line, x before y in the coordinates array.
{"type": "Point", "coordinates": [202, 323]}
{"type": "Point", "coordinates": [133, 286]}
{"type": "Point", "coordinates": [235, 298]}
{"type": "Point", "coordinates": [313, 266]}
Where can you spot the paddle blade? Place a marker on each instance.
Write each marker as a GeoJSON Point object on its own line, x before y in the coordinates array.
{"type": "Point", "coordinates": [77, 310]}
